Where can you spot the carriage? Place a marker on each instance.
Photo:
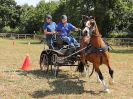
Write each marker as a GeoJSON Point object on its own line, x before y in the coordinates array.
{"type": "Point", "coordinates": [60, 55]}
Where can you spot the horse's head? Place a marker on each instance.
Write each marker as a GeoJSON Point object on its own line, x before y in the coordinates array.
{"type": "Point", "coordinates": [89, 28]}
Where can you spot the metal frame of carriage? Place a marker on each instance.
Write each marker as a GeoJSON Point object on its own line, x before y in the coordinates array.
{"type": "Point", "coordinates": [62, 56]}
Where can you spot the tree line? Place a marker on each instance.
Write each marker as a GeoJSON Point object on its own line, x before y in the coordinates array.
{"type": "Point", "coordinates": [114, 17]}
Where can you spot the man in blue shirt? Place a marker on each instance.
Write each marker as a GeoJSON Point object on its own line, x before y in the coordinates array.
{"type": "Point", "coordinates": [49, 30]}
{"type": "Point", "coordinates": [64, 28]}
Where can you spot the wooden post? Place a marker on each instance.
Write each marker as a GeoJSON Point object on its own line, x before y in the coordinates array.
{"type": "Point", "coordinates": [25, 36]}
{"type": "Point", "coordinates": [18, 36]}
{"type": "Point", "coordinates": [34, 36]}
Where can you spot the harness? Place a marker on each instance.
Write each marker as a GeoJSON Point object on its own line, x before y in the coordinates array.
{"type": "Point", "coordinates": [91, 49]}
{"type": "Point", "coordinates": [100, 50]}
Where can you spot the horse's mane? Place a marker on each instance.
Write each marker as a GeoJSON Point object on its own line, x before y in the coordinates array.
{"type": "Point", "coordinates": [93, 24]}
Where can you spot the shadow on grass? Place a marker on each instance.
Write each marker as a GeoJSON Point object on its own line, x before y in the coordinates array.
{"type": "Point", "coordinates": [31, 42]}
{"type": "Point", "coordinates": [64, 84]}
{"type": "Point", "coordinates": [65, 87]}
{"type": "Point", "coordinates": [39, 73]}
{"type": "Point", "coordinates": [61, 86]}
{"type": "Point", "coordinates": [124, 51]}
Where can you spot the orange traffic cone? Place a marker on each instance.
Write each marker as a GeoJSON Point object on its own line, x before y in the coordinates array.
{"type": "Point", "coordinates": [26, 63]}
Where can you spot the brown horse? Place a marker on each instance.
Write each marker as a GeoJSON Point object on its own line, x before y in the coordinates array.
{"type": "Point", "coordinates": [99, 53]}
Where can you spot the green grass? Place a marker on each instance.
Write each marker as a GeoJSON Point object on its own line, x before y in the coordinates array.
{"type": "Point", "coordinates": [18, 84]}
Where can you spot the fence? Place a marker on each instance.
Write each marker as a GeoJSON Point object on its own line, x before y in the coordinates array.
{"type": "Point", "coordinates": [17, 36]}
{"type": "Point", "coordinates": [120, 41]}
{"type": "Point", "coordinates": [112, 41]}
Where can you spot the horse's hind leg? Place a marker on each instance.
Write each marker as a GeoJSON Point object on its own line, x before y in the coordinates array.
{"type": "Point", "coordinates": [98, 79]}
{"type": "Point", "coordinates": [111, 72]}
{"type": "Point", "coordinates": [106, 89]}
{"type": "Point", "coordinates": [97, 76]}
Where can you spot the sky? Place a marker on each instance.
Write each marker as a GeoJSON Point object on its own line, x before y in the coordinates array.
{"type": "Point", "coordinates": [31, 2]}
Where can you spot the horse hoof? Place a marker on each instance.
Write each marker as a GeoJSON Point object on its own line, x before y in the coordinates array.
{"type": "Point", "coordinates": [111, 81]}
{"type": "Point", "coordinates": [42, 69]}
{"type": "Point", "coordinates": [106, 90]}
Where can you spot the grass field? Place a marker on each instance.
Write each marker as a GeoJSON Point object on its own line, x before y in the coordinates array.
{"type": "Point", "coordinates": [18, 84]}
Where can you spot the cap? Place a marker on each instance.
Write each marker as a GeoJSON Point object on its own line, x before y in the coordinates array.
{"type": "Point", "coordinates": [63, 17]}
{"type": "Point", "coordinates": [49, 16]}
{"type": "Point", "coordinates": [91, 17]}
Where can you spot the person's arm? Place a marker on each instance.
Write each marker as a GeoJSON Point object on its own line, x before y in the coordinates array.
{"type": "Point", "coordinates": [58, 29]}
{"type": "Point", "coordinates": [77, 29]}
{"type": "Point", "coordinates": [45, 30]}
{"type": "Point", "coordinates": [55, 32]}
{"type": "Point", "coordinates": [73, 28]}
{"type": "Point", "coordinates": [48, 33]}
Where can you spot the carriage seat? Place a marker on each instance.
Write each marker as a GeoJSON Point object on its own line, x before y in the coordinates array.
{"type": "Point", "coordinates": [59, 42]}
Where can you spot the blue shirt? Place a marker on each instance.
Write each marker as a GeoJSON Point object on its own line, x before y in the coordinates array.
{"type": "Point", "coordinates": [65, 30]}
{"type": "Point", "coordinates": [50, 28]}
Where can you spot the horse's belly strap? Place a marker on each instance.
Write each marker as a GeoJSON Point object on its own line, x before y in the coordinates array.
{"type": "Point", "coordinates": [90, 49]}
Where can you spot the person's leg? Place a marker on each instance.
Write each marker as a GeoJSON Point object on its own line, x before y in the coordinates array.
{"type": "Point", "coordinates": [68, 40]}
{"type": "Point", "coordinates": [50, 43]}
{"type": "Point", "coordinates": [74, 41]}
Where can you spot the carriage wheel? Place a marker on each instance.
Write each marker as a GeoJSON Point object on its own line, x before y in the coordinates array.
{"type": "Point", "coordinates": [56, 70]}
{"type": "Point", "coordinates": [51, 68]}
{"type": "Point", "coordinates": [56, 67]}
{"type": "Point", "coordinates": [44, 66]}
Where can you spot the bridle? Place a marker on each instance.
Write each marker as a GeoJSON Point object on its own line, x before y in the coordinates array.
{"type": "Point", "coordinates": [93, 32]}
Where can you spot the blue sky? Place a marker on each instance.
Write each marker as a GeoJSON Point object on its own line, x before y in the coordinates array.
{"type": "Point", "coordinates": [30, 2]}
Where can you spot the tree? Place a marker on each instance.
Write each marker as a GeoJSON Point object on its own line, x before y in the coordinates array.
{"type": "Point", "coordinates": [32, 18]}
{"type": "Point", "coordinates": [110, 15]}
{"type": "Point", "coordinates": [9, 13]}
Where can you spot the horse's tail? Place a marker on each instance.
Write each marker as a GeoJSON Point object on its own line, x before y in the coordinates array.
{"type": "Point", "coordinates": [92, 71]}
{"type": "Point", "coordinates": [80, 67]}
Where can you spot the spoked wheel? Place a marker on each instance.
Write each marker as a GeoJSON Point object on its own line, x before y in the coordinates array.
{"type": "Point", "coordinates": [56, 67]}
{"type": "Point", "coordinates": [56, 70]}
{"type": "Point", "coordinates": [51, 69]}
{"type": "Point", "coordinates": [44, 64]}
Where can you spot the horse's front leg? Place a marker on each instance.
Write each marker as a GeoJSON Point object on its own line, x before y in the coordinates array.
{"type": "Point", "coordinates": [105, 87]}
{"type": "Point", "coordinates": [111, 71]}
{"type": "Point", "coordinates": [86, 69]}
